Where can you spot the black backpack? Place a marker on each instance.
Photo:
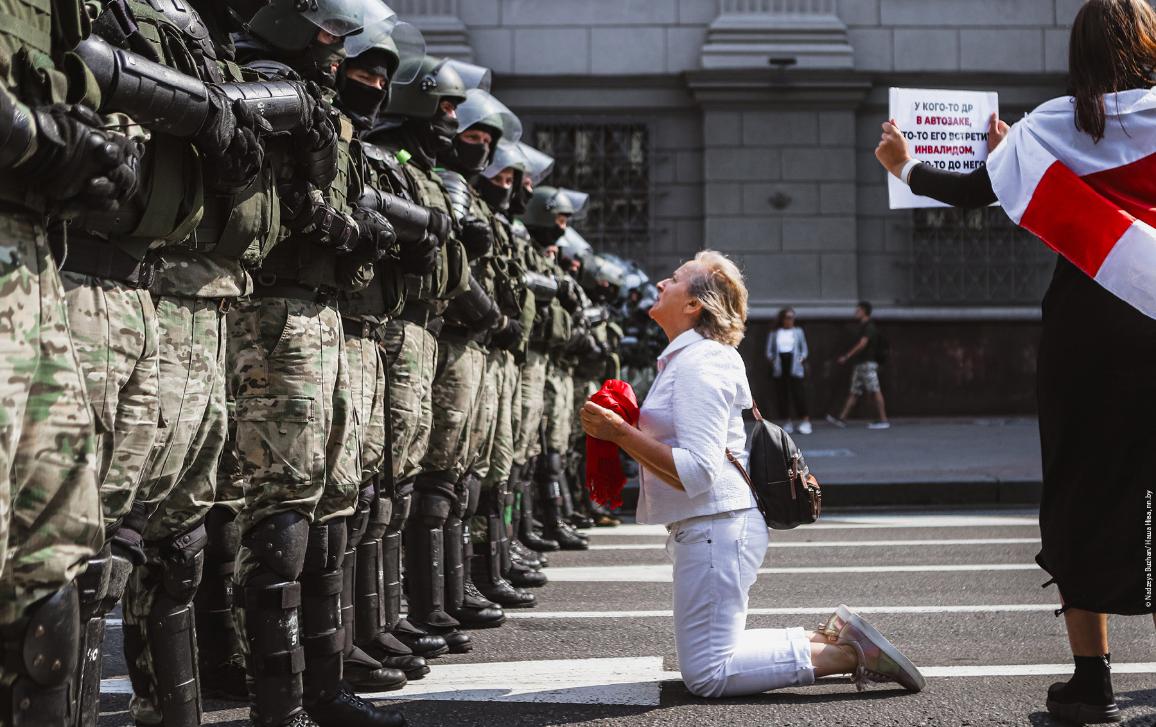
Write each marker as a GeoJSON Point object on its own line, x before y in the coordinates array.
{"type": "Point", "coordinates": [786, 492]}
{"type": "Point", "coordinates": [882, 349]}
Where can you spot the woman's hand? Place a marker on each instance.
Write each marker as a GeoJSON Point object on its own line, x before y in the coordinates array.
{"type": "Point", "coordinates": [997, 131]}
{"type": "Point", "coordinates": [892, 150]}
{"type": "Point", "coordinates": [601, 423]}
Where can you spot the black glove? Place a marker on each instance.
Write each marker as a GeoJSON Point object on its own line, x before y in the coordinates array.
{"type": "Point", "coordinates": [421, 256]}
{"type": "Point", "coordinates": [477, 237]}
{"type": "Point", "coordinates": [377, 235]}
{"type": "Point", "coordinates": [235, 168]}
{"type": "Point", "coordinates": [318, 141]}
{"type": "Point", "coordinates": [440, 225]}
{"type": "Point", "coordinates": [509, 336]}
{"type": "Point", "coordinates": [314, 220]}
{"type": "Point", "coordinates": [568, 294]}
{"type": "Point", "coordinates": [79, 164]}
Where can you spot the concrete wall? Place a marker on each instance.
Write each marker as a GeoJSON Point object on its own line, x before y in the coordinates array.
{"type": "Point", "coordinates": [777, 166]}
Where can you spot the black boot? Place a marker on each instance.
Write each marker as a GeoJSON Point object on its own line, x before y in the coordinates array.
{"type": "Point", "coordinates": [486, 569]}
{"type": "Point", "coordinates": [370, 623]}
{"type": "Point", "coordinates": [530, 558]}
{"type": "Point", "coordinates": [48, 639]}
{"type": "Point", "coordinates": [401, 631]}
{"type": "Point", "coordinates": [362, 671]}
{"type": "Point", "coordinates": [218, 646]}
{"type": "Point", "coordinates": [1086, 698]}
{"type": "Point", "coordinates": [523, 576]}
{"type": "Point", "coordinates": [346, 709]}
{"type": "Point", "coordinates": [433, 501]}
{"type": "Point", "coordinates": [551, 483]}
{"type": "Point", "coordinates": [467, 605]}
{"type": "Point", "coordinates": [525, 517]}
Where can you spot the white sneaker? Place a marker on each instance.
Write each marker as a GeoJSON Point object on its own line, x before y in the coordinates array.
{"type": "Point", "coordinates": [805, 428]}
{"type": "Point", "coordinates": [879, 425]}
{"type": "Point", "coordinates": [789, 428]}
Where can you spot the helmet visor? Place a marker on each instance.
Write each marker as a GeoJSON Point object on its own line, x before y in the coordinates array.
{"type": "Point", "coordinates": [507, 155]}
{"type": "Point", "coordinates": [395, 37]}
{"type": "Point", "coordinates": [573, 245]}
{"type": "Point", "coordinates": [473, 76]}
{"type": "Point", "coordinates": [343, 17]}
{"type": "Point", "coordinates": [482, 108]}
{"type": "Point", "coordinates": [576, 199]}
{"type": "Point", "coordinates": [539, 164]}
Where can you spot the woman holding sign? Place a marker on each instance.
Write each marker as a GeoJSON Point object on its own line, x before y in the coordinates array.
{"type": "Point", "coordinates": [1078, 173]}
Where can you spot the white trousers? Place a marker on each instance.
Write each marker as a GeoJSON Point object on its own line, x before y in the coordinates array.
{"type": "Point", "coordinates": [716, 560]}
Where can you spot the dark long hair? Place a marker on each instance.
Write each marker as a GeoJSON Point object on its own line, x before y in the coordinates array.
{"type": "Point", "coordinates": [1113, 48]}
{"type": "Point", "coordinates": [783, 316]}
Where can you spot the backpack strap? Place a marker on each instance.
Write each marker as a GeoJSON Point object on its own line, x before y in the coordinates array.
{"type": "Point", "coordinates": [755, 411]}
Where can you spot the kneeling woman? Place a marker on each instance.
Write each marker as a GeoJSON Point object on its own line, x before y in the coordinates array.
{"type": "Point", "coordinates": [691, 416]}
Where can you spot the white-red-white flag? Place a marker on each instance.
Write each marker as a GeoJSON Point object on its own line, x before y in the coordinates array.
{"type": "Point", "coordinates": [1092, 202]}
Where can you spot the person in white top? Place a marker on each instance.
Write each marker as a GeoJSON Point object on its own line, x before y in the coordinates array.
{"type": "Point", "coordinates": [718, 538]}
{"type": "Point", "coordinates": [787, 354]}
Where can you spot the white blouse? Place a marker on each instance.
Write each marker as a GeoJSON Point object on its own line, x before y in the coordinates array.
{"type": "Point", "coordinates": [696, 406]}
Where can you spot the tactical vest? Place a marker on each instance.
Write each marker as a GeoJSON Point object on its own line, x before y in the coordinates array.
{"type": "Point", "coordinates": [28, 31]}
{"type": "Point", "coordinates": [297, 261]}
{"type": "Point", "coordinates": [452, 275]}
{"type": "Point", "coordinates": [513, 297]}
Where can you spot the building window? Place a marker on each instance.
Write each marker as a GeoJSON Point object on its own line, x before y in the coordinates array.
{"type": "Point", "coordinates": [976, 257]}
{"type": "Point", "coordinates": [611, 163]}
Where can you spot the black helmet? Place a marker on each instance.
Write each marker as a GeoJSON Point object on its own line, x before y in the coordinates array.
{"type": "Point", "coordinates": [292, 25]}
{"type": "Point", "coordinates": [433, 80]}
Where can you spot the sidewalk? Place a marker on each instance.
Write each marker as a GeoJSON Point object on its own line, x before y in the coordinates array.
{"type": "Point", "coordinates": [923, 462]}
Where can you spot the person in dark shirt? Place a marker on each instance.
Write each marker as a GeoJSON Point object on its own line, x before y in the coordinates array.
{"type": "Point", "coordinates": [864, 355]}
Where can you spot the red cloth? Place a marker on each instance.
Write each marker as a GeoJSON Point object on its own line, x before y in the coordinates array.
{"type": "Point", "coordinates": [604, 476]}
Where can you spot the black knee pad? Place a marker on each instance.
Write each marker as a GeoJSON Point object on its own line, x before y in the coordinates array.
{"type": "Point", "coordinates": [400, 508]}
{"type": "Point", "coordinates": [439, 482]}
{"type": "Point", "coordinates": [473, 491]}
{"type": "Point", "coordinates": [552, 465]}
{"type": "Point", "coordinates": [44, 644]}
{"type": "Point", "coordinates": [279, 542]}
{"type": "Point", "coordinates": [431, 508]}
{"type": "Point", "coordinates": [182, 564]}
{"type": "Point", "coordinates": [380, 513]}
{"type": "Point", "coordinates": [326, 546]}
{"type": "Point", "coordinates": [224, 535]}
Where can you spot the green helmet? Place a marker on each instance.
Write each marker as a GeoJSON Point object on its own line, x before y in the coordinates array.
{"type": "Point", "coordinates": [291, 26]}
{"type": "Point", "coordinates": [432, 80]}
{"type": "Point", "coordinates": [549, 202]}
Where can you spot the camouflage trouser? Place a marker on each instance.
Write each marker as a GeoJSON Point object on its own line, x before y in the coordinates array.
{"type": "Point", "coordinates": [49, 506]}
{"type": "Point", "coordinates": [114, 329]}
{"type": "Point", "coordinates": [559, 413]}
{"type": "Point", "coordinates": [181, 478]}
{"type": "Point", "coordinates": [230, 470]}
{"type": "Point", "coordinates": [367, 382]}
{"type": "Point", "coordinates": [461, 368]}
{"type": "Point", "coordinates": [483, 426]}
{"type": "Point", "coordinates": [502, 387]}
{"type": "Point", "coordinates": [412, 358]}
{"type": "Point", "coordinates": [531, 403]}
{"type": "Point", "coordinates": [296, 432]}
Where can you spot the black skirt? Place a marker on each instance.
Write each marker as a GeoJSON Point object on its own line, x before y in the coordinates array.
{"type": "Point", "coordinates": [1097, 399]}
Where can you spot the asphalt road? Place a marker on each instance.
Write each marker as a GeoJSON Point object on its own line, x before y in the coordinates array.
{"type": "Point", "coordinates": [958, 592]}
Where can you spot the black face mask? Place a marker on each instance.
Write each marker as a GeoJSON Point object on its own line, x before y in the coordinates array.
{"type": "Point", "coordinates": [546, 236]}
{"type": "Point", "coordinates": [466, 158]}
{"type": "Point", "coordinates": [519, 198]}
{"type": "Point", "coordinates": [443, 129]}
{"type": "Point", "coordinates": [322, 59]}
{"type": "Point", "coordinates": [361, 101]}
{"type": "Point", "coordinates": [496, 197]}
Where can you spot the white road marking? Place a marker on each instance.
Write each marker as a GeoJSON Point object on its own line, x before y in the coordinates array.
{"type": "Point", "coordinates": [664, 573]}
{"type": "Point", "coordinates": [865, 521]}
{"type": "Point", "coordinates": [849, 543]}
{"type": "Point", "coordinates": [634, 681]}
{"type": "Point", "coordinates": [622, 681]}
{"type": "Point", "coordinates": [794, 611]}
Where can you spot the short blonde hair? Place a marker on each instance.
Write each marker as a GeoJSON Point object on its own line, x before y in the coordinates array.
{"type": "Point", "coordinates": [719, 286]}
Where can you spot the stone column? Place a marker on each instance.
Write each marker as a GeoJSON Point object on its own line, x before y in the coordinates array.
{"type": "Point", "coordinates": [445, 33]}
{"type": "Point", "coordinates": [779, 149]}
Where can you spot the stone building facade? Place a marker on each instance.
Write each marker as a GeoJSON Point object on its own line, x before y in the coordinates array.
{"type": "Point", "coordinates": [749, 125]}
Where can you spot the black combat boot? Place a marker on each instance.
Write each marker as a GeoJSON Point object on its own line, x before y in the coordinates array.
{"type": "Point", "coordinates": [1086, 698]}
{"type": "Point", "coordinates": [218, 644]}
{"type": "Point", "coordinates": [425, 561]}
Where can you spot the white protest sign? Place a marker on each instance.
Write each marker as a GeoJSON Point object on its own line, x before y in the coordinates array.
{"type": "Point", "coordinates": [944, 128]}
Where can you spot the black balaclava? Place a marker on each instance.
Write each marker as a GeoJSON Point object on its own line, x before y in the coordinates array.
{"type": "Point", "coordinates": [546, 236]}
{"type": "Point", "coordinates": [495, 196]}
{"type": "Point", "coordinates": [360, 101]}
{"type": "Point", "coordinates": [426, 138]}
{"type": "Point", "coordinates": [519, 196]}
{"type": "Point", "coordinates": [466, 158]}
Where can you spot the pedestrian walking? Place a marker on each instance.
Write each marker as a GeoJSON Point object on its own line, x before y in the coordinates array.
{"type": "Point", "coordinates": [787, 353]}
{"type": "Point", "coordinates": [865, 357]}
{"type": "Point", "coordinates": [691, 417]}
{"type": "Point", "coordinates": [1076, 172]}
